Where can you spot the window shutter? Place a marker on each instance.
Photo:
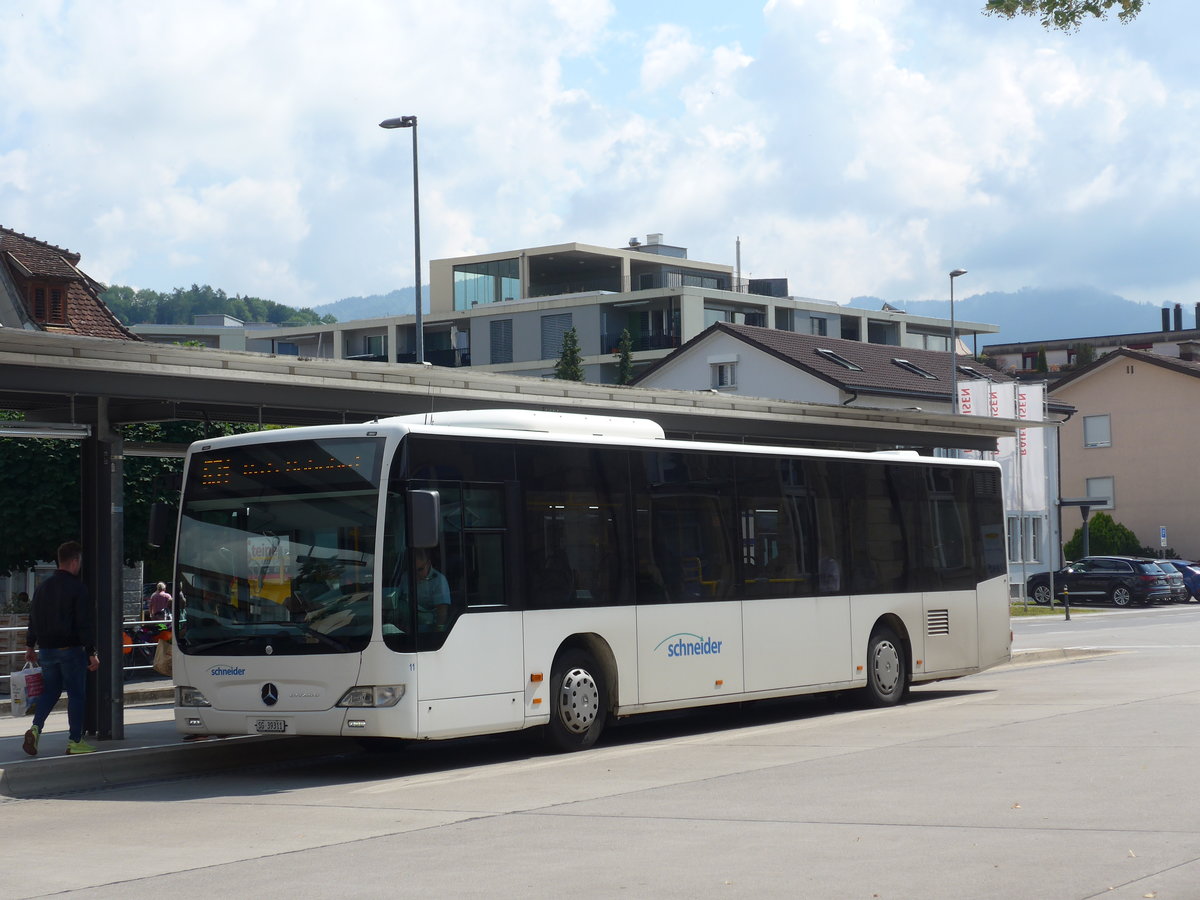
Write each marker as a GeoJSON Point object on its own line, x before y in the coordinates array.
{"type": "Point", "coordinates": [501, 333]}
{"type": "Point", "coordinates": [553, 329]}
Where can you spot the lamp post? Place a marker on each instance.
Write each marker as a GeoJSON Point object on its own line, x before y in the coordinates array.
{"type": "Point", "coordinates": [411, 122]}
{"type": "Point", "coordinates": [954, 347]}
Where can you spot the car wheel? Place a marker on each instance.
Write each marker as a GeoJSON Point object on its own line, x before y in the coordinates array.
{"type": "Point", "coordinates": [1041, 594]}
{"type": "Point", "coordinates": [1120, 596]}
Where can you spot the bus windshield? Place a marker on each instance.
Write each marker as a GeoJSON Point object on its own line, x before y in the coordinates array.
{"type": "Point", "coordinates": [277, 548]}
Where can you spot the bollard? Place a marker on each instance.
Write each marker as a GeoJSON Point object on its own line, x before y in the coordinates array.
{"type": "Point", "coordinates": [1067, 604]}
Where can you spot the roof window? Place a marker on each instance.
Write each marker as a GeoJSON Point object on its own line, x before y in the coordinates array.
{"type": "Point", "coordinates": [914, 368]}
{"type": "Point", "coordinates": [839, 359]}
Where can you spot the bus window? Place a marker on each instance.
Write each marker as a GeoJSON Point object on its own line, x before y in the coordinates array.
{"type": "Point", "coordinates": [775, 514]}
{"type": "Point", "coordinates": [878, 558]}
{"type": "Point", "coordinates": [573, 501]}
{"type": "Point", "coordinates": [686, 523]}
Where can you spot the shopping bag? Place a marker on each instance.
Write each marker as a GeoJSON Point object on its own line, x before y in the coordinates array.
{"type": "Point", "coordinates": [162, 657]}
{"type": "Point", "coordinates": [25, 687]}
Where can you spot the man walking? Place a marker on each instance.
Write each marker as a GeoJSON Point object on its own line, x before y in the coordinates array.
{"type": "Point", "coordinates": [60, 626]}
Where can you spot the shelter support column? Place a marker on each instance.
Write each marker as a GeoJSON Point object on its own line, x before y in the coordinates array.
{"type": "Point", "coordinates": [102, 535]}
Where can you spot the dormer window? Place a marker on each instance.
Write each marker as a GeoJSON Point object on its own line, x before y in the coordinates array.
{"type": "Point", "coordinates": [48, 303]}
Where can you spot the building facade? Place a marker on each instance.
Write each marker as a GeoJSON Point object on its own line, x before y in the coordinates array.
{"type": "Point", "coordinates": [1124, 443]}
{"type": "Point", "coordinates": [508, 312]}
{"type": "Point", "coordinates": [1065, 354]}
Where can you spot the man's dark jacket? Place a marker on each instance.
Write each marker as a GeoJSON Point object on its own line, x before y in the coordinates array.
{"type": "Point", "coordinates": [61, 614]}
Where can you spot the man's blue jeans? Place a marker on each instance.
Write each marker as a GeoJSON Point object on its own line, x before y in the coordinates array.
{"type": "Point", "coordinates": [63, 669]}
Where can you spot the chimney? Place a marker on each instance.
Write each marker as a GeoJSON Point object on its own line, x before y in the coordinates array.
{"type": "Point", "coordinates": [1166, 316]}
{"type": "Point", "coordinates": [1189, 351]}
{"type": "Point", "coordinates": [1178, 317]}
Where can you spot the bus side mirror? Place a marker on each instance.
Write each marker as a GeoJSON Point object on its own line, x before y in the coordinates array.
{"type": "Point", "coordinates": [424, 518]}
{"type": "Point", "coordinates": [160, 517]}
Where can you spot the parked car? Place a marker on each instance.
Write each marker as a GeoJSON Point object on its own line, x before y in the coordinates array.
{"type": "Point", "coordinates": [1191, 575]}
{"type": "Point", "coordinates": [1179, 591]}
{"type": "Point", "coordinates": [1121, 579]}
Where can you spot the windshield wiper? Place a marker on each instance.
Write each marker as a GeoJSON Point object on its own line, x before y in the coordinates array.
{"type": "Point", "coordinates": [212, 645]}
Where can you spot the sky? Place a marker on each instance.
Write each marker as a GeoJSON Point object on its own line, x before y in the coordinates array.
{"type": "Point", "coordinates": [856, 147]}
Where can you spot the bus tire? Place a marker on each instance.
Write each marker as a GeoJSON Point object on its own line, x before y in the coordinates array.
{"type": "Point", "coordinates": [578, 701]}
{"type": "Point", "coordinates": [887, 668]}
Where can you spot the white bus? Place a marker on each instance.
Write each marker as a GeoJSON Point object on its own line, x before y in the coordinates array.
{"type": "Point", "coordinates": [582, 568]}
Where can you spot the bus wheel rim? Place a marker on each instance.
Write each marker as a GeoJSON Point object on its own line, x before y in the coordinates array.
{"type": "Point", "coordinates": [886, 666]}
{"type": "Point", "coordinates": [579, 701]}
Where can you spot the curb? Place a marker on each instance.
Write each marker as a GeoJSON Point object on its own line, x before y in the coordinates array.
{"type": "Point", "coordinates": [1023, 657]}
{"type": "Point", "coordinates": [113, 768]}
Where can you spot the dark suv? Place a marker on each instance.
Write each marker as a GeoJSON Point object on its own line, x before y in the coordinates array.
{"type": "Point", "coordinates": [1121, 579]}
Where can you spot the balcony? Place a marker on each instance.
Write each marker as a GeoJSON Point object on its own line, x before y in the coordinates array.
{"type": "Point", "coordinates": [611, 343]}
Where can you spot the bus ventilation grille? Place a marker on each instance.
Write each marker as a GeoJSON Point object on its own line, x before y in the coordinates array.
{"type": "Point", "coordinates": [937, 621]}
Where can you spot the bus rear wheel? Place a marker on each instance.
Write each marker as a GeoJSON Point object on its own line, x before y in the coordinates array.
{"type": "Point", "coordinates": [578, 701]}
{"type": "Point", "coordinates": [887, 669]}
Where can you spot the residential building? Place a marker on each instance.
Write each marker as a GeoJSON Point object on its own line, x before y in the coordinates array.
{"type": "Point", "coordinates": [508, 311]}
{"type": "Point", "coordinates": [1062, 354]}
{"type": "Point", "coordinates": [1124, 442]}
{"type": "Point", "coordinates": [217, 331]}
{"type": "Point", "coordinates": [43, 289]}
{"type": "Point", "coordinates": [763, 362]}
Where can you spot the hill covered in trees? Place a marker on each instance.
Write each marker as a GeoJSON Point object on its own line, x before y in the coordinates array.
{"type": "Point", "coordinates": [182, 305]}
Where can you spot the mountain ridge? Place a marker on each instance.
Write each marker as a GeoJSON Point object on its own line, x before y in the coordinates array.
{"type": "Point", "coordinates": [1041, 314]}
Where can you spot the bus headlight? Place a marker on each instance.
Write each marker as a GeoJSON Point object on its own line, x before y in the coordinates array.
{"type": "Point", "coordinates": [373, 695]}
{"type": "Point", "coordinates": [189, 696]}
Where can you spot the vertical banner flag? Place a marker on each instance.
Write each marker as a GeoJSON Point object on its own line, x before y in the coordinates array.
{"type": "Point", "coordinates": [1031, 444]}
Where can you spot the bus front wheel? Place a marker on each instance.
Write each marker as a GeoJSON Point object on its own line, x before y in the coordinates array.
{"type": "Point", "coordinates": [578, 701]}
{"type": "Point", "coordinates": [887, 670]}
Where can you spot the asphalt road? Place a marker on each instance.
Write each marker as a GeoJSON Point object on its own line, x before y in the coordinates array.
{"type": "Point", "coordinates": [1068, 779]}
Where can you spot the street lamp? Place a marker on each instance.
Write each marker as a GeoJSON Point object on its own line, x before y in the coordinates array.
{"type": "Point", "coordinates": [411, 122]}
{"type": "Point", "coordinates": [954, 346]}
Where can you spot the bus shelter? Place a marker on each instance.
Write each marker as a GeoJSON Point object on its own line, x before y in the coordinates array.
{"type": "Point", "coordinates": [84, 389]}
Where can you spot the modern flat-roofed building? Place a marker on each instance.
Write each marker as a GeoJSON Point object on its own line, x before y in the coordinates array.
{"type": "Point", "coordinates": [508, 311]}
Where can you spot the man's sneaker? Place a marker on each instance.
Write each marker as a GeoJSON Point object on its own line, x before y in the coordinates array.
{"type": "Point", "coordinates": [31, 740]}
{"type": "Point", "coordinates": [80, 747]}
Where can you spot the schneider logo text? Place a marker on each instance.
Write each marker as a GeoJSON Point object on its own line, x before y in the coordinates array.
{"type": "Point", "coordinates": [690, 645]}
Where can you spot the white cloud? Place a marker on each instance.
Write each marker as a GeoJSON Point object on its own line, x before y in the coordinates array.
{"type": "Point", "coordinates": [863, 146]}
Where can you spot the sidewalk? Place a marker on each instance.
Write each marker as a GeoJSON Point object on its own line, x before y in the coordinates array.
{"type": "Point", "coordinates": [151, 749]}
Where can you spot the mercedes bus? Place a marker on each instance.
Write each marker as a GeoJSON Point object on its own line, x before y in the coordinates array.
{"type": "Point", "coordinates": [474, 572]}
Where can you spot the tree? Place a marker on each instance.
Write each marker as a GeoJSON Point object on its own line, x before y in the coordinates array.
{"type": "Point", "coordinates": [1084, 354]}
{"type": "Point", "coordinates": [625, 358]}
{"type": "Point", "coordinates": [1041, 365]}
{"type": "Point", "coordinates": [1065, 15]}
{"type": "Point", "coordinates": [40, 478]}
{"type": "Point", "coordinates": [570, 361]}
{"type": "Point", "coordinates": [1106, 537]}
{"type": "Point", "coordinates": [181, 306]}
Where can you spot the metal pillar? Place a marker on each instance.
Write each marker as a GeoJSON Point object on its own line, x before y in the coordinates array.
{"type": "Point", "coordinates": [101, 533]}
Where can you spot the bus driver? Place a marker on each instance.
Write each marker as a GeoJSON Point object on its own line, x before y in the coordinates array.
{"type": "Point", "coordinates": [433, 594]}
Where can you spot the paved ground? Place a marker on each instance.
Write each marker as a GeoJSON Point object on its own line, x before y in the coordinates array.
{"type": "Point", "coordinates": [1068, 775]}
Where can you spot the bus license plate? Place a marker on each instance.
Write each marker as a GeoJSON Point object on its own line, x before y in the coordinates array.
{"type": "Point", "coordinates": [270, 726]}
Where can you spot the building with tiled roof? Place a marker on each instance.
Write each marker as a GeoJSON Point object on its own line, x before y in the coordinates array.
{"type": "Point", "coordinates": [43, 289]}
{"type": "Point", "coordinates": [835, 370]}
